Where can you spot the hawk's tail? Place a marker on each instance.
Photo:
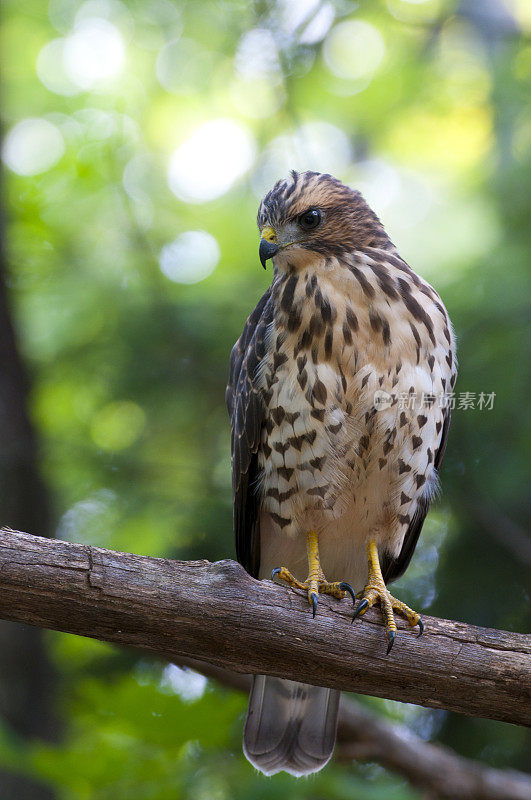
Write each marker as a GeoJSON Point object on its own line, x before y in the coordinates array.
{"type": "Point", "coordinates": [290, 726]}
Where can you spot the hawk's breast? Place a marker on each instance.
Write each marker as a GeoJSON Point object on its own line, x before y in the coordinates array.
{"type": "Point", "coordinates": [343, 336]}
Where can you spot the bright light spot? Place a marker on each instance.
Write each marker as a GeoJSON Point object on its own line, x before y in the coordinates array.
{"type": "Point", "coordinates": [257, 55]}
{"type": "Point", "coordinates": [192, 257]}
{"type": "Point", "coordinates": [319, 25]}
{"type": "Point", "coordinates": [118, 425]}
{"type": "Point", "coordinates": [93, 53]}
{"type": "Point", "coordinates": [90, 520]}
{"type": "Point", "coordinates": [50, 68]}
{"type": "Point", "coordinates": [522, 12]}
{"type": "Point", "coordinates": [354, 50]}
{"type": "Point", "coordinates": [32, 146]}
{"type": "Point", "coordinates": [112, 10]}
{"type": "Point", "coordinates": [295, 12]}
{"type": "Point", "coordinates": [318, 146]}
{"type": "Point", "coordinates": [210, 161]}
{"type": "Point", "coordinates": [187, 683]}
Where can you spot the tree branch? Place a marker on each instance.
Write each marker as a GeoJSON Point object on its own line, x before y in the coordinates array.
{"type": "Point", "coordinates": [364, 736]}
{"type": "Point", "coordinates": [217, 613]}
{"type": "Point", "coordinates": [430, 767]}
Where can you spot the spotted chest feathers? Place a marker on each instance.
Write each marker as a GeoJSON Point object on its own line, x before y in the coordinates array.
{"type": "Point", "coordinates": [341, 332]}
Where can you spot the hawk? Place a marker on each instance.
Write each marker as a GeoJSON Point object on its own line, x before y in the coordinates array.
{"type": "Point", "coordinates": [338, 432]}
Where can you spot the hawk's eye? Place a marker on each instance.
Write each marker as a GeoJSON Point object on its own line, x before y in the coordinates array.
{"type": "Point", "coordinates": [310, 219]}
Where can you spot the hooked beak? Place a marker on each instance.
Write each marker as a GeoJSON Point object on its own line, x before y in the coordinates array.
{"type": "Point", "coordinates": [268, 245]}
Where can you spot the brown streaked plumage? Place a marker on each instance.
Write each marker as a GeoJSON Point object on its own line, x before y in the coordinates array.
{"type": "Point", "coordinates": [320, 471]}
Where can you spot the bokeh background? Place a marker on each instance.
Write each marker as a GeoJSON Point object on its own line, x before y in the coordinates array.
{"type": "Point", "coordinates": [138, 138]}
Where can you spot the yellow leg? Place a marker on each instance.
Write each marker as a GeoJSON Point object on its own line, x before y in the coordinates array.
{"type": "Point", "coordinates": [376, 589]}
{"type": "Point", "coordinates": [316, 582]}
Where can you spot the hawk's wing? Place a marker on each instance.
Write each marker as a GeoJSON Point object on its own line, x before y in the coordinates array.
{"type": "Point", "coordinates": [393, 568]}
{"type": "Point", "coordinates": [246, 408]}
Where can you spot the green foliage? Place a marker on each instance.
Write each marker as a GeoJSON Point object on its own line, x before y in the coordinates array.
{"type": "Point", "coordinates": [151, 741]}
{"type": "Point", "coordinates": [134, 738]}
{"type": "Point", "coordinates": [425, 111]}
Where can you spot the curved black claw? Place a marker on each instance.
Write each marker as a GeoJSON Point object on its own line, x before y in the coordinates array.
{"type": "Point", "coordinates": [391, 636]}
{"type": "Point", "coordinates": [275, 572]}
{"type": "Point", "coordinates": [314, 603]}
{"type": "Point", "coordinates": [421, 628]}
{"type": "Point", "coordinates": [362, 606]}
{"type": "Point", "coordinates": [346, 587]}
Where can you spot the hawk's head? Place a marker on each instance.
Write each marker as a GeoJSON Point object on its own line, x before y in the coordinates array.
{"type": "Point", "coordinates": [310, 212]}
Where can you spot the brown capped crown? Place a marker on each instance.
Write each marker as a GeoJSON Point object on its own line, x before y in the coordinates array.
{"type": "Point", "coordinates": [349, 223]}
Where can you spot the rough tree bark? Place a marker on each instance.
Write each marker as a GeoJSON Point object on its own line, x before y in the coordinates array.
{"type": "Point", "coordinates": [217, 613]}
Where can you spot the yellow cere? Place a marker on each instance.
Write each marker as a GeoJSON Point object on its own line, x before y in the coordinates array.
{"type": "Point", "coordinates": [269, 234]}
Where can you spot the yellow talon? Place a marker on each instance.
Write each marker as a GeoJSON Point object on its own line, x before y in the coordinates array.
{"type": "Point", "coordinates": [316, 582]}
{"type": "Point", "coordinates": [376, 590]}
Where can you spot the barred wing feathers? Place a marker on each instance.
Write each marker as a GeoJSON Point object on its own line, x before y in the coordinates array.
{"type": "Point", "coordinates": [246, 407]}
